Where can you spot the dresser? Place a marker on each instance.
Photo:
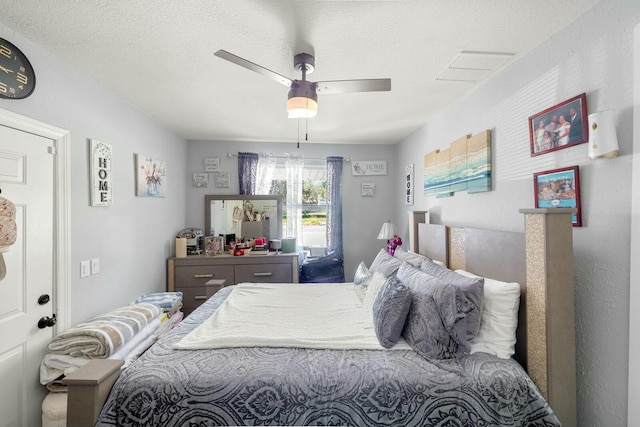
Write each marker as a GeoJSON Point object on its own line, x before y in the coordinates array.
{"type": "Point", "coordinates": [198, 277]}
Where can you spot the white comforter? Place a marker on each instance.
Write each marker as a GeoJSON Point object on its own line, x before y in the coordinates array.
{"type": "Point", "coordinates": [328, 316]}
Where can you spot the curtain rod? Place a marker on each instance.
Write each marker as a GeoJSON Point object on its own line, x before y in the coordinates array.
{"type": "Point", "coordinates": [344, 160]}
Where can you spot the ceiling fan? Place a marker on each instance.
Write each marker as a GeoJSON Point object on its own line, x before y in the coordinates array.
{"type": "Point", "coordinates": [303, 94]}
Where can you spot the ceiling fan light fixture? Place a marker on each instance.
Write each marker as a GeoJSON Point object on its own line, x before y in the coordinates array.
{"type": "Point", "coordinates": [303, 100]}
{"type": "Point", "coordinates": [301, 107]}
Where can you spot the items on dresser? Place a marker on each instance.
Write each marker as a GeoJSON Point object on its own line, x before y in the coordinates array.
{"type": "Point", "coordinates": [196, 276]}
{"type": "Point", "coordinates": [195, 240]}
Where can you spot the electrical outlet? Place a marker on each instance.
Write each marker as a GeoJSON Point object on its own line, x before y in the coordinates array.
{"type": "Point", "coordinates": [85, 269]}
{"type": "Point", "coordinates": [95, 266]}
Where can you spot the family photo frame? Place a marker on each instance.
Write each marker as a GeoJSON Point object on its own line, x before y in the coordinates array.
{"type": "Point", "coordinates": [561, 126]}
{"type": "Point", "coordinates": [559, 188]}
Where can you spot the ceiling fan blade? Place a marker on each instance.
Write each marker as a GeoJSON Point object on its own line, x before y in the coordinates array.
{"type": "Point", "coordinates": [364, 85]}
{"type": "Point", "coordinates": [253, 67]}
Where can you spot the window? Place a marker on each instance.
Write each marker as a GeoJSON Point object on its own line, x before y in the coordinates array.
{"type": "Point", "coordinates": [314, 200]}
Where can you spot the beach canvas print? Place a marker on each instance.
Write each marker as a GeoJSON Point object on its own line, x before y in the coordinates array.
{"type": "Point", "coordinates": [464, 166]}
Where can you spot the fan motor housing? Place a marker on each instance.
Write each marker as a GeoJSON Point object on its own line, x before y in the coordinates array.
{"type": "Point", "coordinates": [304, 89]}
{"type": "Point", "coordinates": [304, 62]}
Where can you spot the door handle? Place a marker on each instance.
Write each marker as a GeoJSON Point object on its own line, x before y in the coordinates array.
{"type": "Point", "coordinates": [47, 322]}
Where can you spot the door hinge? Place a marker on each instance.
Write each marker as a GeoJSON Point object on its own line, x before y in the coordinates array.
{"type": "Point", "coordinates": [52, 150]}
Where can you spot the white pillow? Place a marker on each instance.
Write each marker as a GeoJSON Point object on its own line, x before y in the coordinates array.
{"type": "Point", "coordinates": [499, 320]}
{"type": "Point", "coordinates": [374, 284]}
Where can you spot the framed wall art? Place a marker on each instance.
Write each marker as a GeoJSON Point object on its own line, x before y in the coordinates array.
{"type": "Point", "coordinates": [559, 188]}
{"type": "Point", "coordinates": [212, 165]}
{"type": "Point", "coordinates": [200, 180]}
{"type": "Point", "coordinates": [151, 175]}
{"type": "Point", "coordinates": [560, 126]}
{"type": "Point", "coordinates": [368, 167]}
{"type": "Point", "coordinates": [101, 156]}
{"type": "Point", "coordinates": [222, 180]}
{"type": "Point", "coordinates": [368, 189]}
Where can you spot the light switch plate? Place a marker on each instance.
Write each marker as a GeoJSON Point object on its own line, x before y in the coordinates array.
{"type": "Point", "coordinates": [85, 269]}
{"type": "Point", "coordinates": [95, 266]}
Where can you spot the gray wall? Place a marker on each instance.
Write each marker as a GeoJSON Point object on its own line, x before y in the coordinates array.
{"type": "Point", "coordinates": [133, 237]}
{"type": "Point", "coordinates": [592, 55]}
{"type": "Point", "coordinates": [362, 216]}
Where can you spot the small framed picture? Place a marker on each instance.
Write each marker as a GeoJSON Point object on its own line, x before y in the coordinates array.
{"type": "Point", "coordinates": [368, 189]}
{"type": "Point", "coordinates": [559, 188]}
{"type": "Point", "coordinates": [212, 165]}
{"type": "Point", "coordinates": [221, 180]}
{"type": "Point", "coordinates": [213, 245]}
{"type": "Point", "coordinates": [560, 126]}
{"type": "Point", "coordinates": [200, 180]}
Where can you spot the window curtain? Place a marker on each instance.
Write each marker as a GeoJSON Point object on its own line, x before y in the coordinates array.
{"type": "Point", "coordinates": [334, 206]}
{"type": "Point", "coordinates": [293, 168]}
{"type": "Point", "coordinates": [247, 172]}
{"type": "Point", "coordinates": [264, 172]}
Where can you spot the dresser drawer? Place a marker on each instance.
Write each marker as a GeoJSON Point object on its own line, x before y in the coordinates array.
{"type": "Point", "coordinates": [269, 273]}
{"type": "Point", "coordinates": [193, 296]}
{"type": "Point", "coordinates": [188, 276]}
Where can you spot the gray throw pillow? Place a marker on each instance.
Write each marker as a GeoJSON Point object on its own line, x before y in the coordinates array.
{"type": "Point", "coordinates": [411, 257]}
{"type": "Point", "coordinates": [436, 325]}
{"type": "Point", "coordinates": [390, 311]}
{"type": "Point", "coordinates": [473, 289]}
{"type": "Point", "coordinates": [385, 264]}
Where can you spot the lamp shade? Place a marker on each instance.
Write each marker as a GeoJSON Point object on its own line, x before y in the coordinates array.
{"type": "Point", "coordinates": [387, 231]}
{"type": "Point", "coordinates": [603, 142]}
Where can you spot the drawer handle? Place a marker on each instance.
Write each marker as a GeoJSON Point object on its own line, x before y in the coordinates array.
{"type": "Point", "coordinates": [203, 276]}
{"type": "Point", "coordinates": [262, 274]}
{"type": "Point", "coordinates": [200, 297]}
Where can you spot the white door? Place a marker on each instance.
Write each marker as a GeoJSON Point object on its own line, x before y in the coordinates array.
{"type": "Point", "coordinates": [27, 179]}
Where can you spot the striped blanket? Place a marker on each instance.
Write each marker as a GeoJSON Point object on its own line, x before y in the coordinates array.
{"type": "Point", "coordinates": [104, 334]}
{"type": "Point", "coordinates": [166, 300]}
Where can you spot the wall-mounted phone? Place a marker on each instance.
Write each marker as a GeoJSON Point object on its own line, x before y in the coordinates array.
{"type": "Point", "coordinates": [8, 230]}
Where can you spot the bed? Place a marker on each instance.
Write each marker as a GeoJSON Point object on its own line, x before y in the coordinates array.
{"type": "Point", "coordinates": [271, 385]}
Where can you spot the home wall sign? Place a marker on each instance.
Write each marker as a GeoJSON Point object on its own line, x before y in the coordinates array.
{"type": "Point", "coordinates": [101, 181]}
{"type": "Point", "coordinates": [368, 167]}
{"type": "Point", "coordinates": [464, 166]}
{"type": "Point", "coordinates": [408, 179]}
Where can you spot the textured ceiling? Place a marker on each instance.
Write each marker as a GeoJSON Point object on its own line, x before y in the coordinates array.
{"type": "Point", "coordinates": [158, 55]}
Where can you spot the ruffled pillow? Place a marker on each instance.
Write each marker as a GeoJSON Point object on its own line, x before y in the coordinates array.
{"type": "Point", "coordinates": [472, 287]}
{"type": "Point", "coordinates": [390, 311]}
{"type": "Point", "coordinates": [436, 325]}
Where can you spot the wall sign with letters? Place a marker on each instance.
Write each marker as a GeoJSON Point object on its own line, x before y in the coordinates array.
{"type": "Point", "coordinates": [101, 191]}
{"type": "Point", "coordinates": [368, 167]}
{"type": "Point", "coordinates": [408, 189]}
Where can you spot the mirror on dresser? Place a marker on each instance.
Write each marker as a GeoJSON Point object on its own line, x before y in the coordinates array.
{"type": "Point", "coordinates": [244, 216]}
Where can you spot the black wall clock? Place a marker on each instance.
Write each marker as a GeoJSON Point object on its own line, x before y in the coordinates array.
{"type": "Point", "coordinates": [17, 79]}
